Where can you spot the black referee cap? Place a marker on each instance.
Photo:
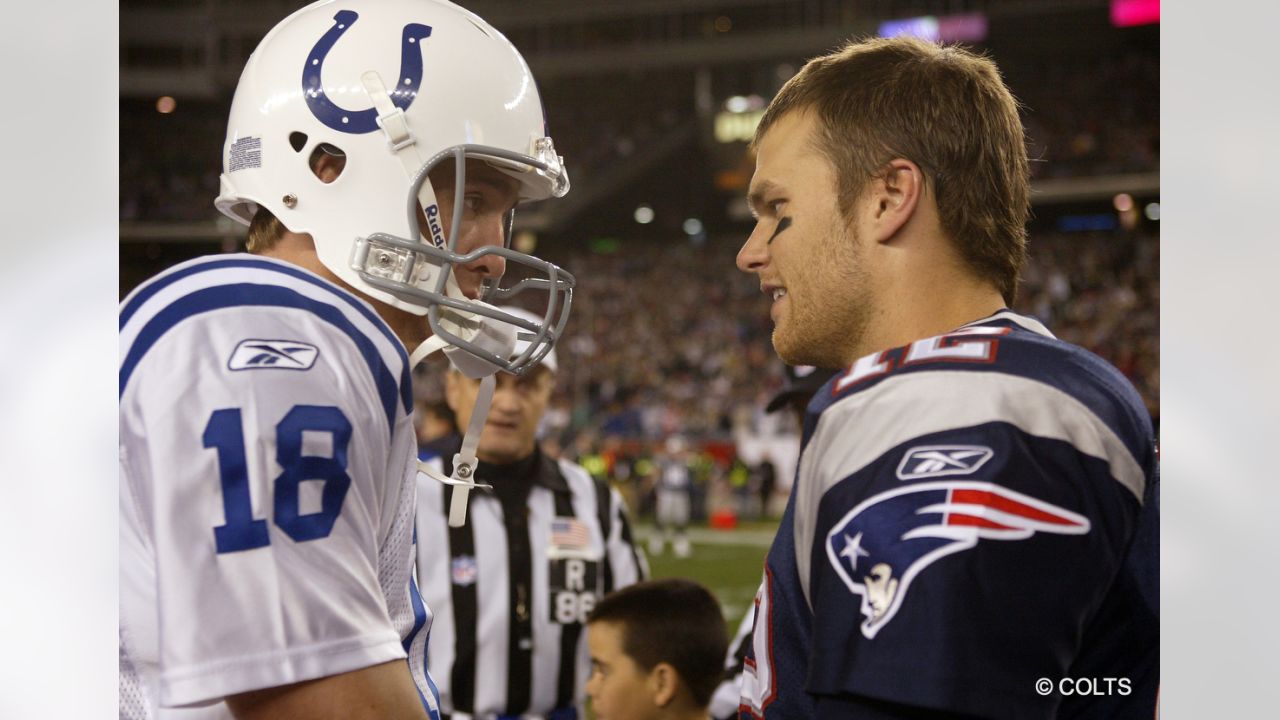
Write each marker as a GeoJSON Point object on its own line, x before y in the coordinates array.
{"type": "Point", "coordinates": [802, 381]}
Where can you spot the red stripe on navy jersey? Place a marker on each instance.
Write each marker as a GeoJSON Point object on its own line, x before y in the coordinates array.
{"type": "Point", "coordinates": [1008, 505]}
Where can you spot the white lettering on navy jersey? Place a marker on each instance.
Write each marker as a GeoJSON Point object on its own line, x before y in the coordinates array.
{"type": "Point", "coordinates": [953, 347]}
{"type": "Point", "coordinates": [759, 683]}
{"type": "Point", "coordinates": [864, 369]}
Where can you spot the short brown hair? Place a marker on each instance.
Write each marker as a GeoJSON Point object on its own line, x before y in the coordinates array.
{"type": "Point", "coordinates": [673, 620]}
{"type": "Point", "coordinates": [942, 107]}
{"type": "Point", "coordinates": [264, 231]}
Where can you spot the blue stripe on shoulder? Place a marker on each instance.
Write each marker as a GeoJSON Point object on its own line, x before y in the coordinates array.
{"type": "Point", "coordinates": [419, 612]}
{"type": "Point", "coordinates": [435, 693]}
{"type": "Point", "coordinates": [243, 261]}
{"type": "Point", "coordinates": [250, 295]}
{"type": "Point", "coordinates": [419, 620]}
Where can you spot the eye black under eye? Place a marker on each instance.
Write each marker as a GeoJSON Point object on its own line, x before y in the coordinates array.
{"type": "Point", "coordinates": [783, 224]}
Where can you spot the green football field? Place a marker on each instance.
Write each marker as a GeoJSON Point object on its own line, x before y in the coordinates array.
{"type": "Point", "coordinates": [729, 562]}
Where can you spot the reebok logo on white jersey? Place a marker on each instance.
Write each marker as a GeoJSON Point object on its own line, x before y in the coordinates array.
{"type": "Point", "coordinates": [939, 460]}
{"type": "Point", "coordinates": [273, 354]}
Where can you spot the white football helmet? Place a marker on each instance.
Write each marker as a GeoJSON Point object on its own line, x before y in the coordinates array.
{"type": "Point", "coordinates": [397, 86]}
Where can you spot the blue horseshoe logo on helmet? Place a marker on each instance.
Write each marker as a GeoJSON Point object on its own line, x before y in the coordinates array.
{"type": "Point", "coordinates": [358, 122]}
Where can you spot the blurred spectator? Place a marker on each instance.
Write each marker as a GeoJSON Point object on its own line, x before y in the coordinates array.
{"type": "Point", "coordinates": [674, 489]}
{"type": "Point", "coordinates": [434, 420]}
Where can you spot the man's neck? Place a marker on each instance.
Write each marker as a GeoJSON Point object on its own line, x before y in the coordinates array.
{"type": "Point", "coordinates": [930, 304]}
{"type": "Point", "coordinates": [300, 249]}
{"type": "Point", "coordinates": [411, 329]}
{"type": "Point", "coordinates": [511, 481]}
{"type": "Point", "coordinates": [921, 285]}
{"type": "Point", "coordinates": [941, 320]}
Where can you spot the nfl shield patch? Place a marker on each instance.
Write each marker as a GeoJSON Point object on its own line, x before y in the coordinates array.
{"type": "Point", "coordinates": [464, 570]}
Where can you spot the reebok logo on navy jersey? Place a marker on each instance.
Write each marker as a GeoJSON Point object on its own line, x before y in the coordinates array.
{"type": "Point", "coordinates": [274, 354]}
{"type": "Point", "coordinates": [880, 546]}
{"type": "Point", "coordinates": [941, 460]}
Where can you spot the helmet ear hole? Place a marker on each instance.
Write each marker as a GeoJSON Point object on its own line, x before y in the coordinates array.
{"type": "Point", "coordinates": [297, 140]}
{"type": "Point", "coordinates": [327, 162]}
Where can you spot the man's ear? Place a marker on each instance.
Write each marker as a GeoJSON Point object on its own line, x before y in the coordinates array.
{"type": "Point", "coordinates": [894, 196]}
{"type": "Point", "coordinates": [664, 682]}
{"type": "Point", "coordinates": [327, 165]}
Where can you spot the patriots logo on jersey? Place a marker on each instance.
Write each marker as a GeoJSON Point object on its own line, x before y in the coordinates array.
{"type": "Point", "coordinates": [881, 545]}
{"type": "Point", "coordinates": [278, 354]}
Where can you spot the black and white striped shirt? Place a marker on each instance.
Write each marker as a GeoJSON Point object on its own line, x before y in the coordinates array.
{"type": "Point", "coordinates": [510, 590]}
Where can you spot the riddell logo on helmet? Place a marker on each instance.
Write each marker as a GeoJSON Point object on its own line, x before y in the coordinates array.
{"type": "Point", "coordinates": [433, 224]}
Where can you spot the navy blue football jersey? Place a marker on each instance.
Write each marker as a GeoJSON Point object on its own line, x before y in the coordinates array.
{"type": "Point", "coordinates": [971, 513]}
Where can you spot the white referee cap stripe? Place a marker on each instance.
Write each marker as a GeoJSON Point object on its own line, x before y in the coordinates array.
{"type": "Point", "coordinates": [521, 345]}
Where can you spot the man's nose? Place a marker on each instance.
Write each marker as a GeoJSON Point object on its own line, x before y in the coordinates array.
{"type": "Point", "coordinates": [488, 266]}
{"type": "Point", "coordinates": [754, 252]}
{"type": "Point", "coordinates": [488, 233]}
{"type": "Point", "coordinates": [505, 396]}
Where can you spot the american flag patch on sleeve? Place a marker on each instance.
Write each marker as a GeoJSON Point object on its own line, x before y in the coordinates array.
{"type": "Point", "coordinates": [570, 538]}
{"type": "Point", "coordinates": [568, 531]}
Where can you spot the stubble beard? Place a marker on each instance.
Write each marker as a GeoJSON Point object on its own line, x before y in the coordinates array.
{"type": "Point", "coordinates": [829, 321]}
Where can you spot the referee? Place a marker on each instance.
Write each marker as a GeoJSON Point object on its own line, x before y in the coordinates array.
{"type": "Point", "coordinates": [510, 591]}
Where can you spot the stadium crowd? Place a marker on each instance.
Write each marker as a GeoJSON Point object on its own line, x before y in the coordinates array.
{"type": "Point", "coordinates": [1084, 117]}
{"type": "Point", "coordinates": [667, 338]}
{"type": "Point", "coordinates": [1092, 116]}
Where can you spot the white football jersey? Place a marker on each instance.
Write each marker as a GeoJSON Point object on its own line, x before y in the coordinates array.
{"type": "Point", "coordinates": [267, 488]}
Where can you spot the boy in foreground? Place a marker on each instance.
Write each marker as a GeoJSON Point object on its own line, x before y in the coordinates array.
{"type": "Point", "coordinates": [656, 651]}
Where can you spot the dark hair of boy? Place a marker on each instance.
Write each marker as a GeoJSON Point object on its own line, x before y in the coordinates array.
{"type": "Point", "coordinates": [672, 620]}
